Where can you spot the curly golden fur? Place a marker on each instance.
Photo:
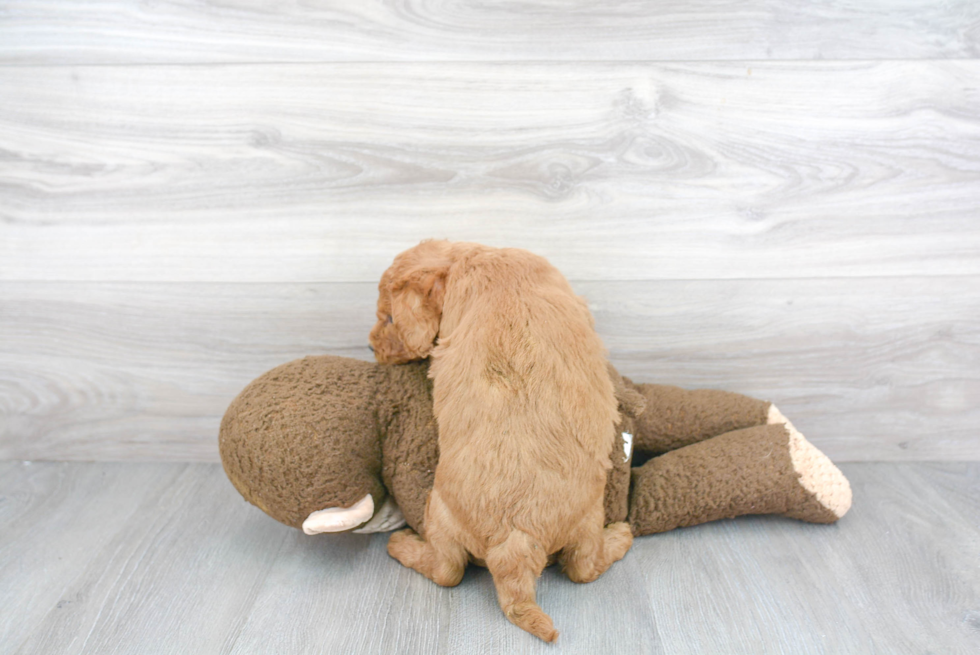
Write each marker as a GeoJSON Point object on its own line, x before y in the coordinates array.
{"type": "Point", "coordinates": [525, 409]}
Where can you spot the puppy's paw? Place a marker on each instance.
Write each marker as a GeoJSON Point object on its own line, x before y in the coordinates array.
{"type": "Point", "coordinates": [406, 547]}
{"type": "Point", "coordinates": [619, 538]}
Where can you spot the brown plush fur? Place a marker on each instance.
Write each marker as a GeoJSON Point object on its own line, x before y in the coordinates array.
{"type": "Point", "coordinates": [525, 409]}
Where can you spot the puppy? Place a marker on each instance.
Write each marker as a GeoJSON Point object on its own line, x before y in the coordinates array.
{"type": "Point", "coordinates": [525, 410]}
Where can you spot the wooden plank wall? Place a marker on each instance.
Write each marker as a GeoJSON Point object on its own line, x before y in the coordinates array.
{"type": "Point", "coordinates": [782, 200]}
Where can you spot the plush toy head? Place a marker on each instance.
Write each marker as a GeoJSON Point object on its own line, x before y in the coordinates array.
{"type": "Point", "coordinates": [273, 447]}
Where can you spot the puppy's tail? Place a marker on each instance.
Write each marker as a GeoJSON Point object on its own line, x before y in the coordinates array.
{"type": "Point", "coordinates": [516, 565]}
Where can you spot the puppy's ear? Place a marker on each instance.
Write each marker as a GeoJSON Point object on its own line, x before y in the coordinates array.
{"type": "Point", "coordinates": [429, 270]}
{"type": "Point", "coordinates": [416, 308]}
{"type": "Point", "coordinates": [432, 283]}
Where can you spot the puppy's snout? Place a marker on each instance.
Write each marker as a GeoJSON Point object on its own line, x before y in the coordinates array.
{"type": "Point", "coordinates": [370, 347]}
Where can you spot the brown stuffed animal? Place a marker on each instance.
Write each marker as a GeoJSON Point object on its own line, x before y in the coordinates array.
{"type": "Point", "coordinates": [332, 444]}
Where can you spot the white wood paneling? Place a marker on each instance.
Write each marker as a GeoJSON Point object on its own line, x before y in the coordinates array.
{"type": "Point", "coordinates": [777, 198]}
{"type": "Point", "coordinates": [274, 173]}
{"type": "Point", "coordinates": [867, 368]}
{"type": "Point", "coordinates": [127, 31]}
{"type": "Point", "coordinates": [871, 369]}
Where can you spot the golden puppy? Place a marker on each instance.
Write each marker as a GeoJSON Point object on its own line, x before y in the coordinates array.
{"type": "Point", "coordinates": [525, 409]}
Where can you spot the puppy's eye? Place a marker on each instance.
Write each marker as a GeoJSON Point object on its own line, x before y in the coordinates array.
{"type": "Point", "coordinates": [390, 319]}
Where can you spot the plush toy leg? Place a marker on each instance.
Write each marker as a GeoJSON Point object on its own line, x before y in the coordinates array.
{"type": "Point", "coordinates": [676, 417]}
{"type": "Point", "coordinates": [768, 469]}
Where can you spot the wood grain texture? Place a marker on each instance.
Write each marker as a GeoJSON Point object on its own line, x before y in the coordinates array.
{"type": "Point", "coordinates": [210, 573]}
{"type": "Point", "coordinates": [868, 369]}
{"type": "Point", "coordinates": [284, 173]}
{"type": "Point", "coordinates": [54, 521]}
{"type": "Point", "coordinates": [182, 543]}
{"type": "Point", "coordinates": [882, 580]}
{"type": "Point", "coordinates": [127, 31]}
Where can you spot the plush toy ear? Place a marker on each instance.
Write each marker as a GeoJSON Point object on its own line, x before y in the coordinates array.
{"type": "Point", "coordinates": [340, 519]}
{"type": "Point", "coordinates": [631, 402]}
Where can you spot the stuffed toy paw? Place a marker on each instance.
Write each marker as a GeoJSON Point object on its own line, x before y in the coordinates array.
{"type": "Point", "coordinates": [332, 444]}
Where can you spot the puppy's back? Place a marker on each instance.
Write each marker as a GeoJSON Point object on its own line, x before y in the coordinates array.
{"type": "Point", "coordinates": [525, 404]}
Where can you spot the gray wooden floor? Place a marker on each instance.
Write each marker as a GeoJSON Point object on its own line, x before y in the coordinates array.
{"type": "Point", "coordinates": [167, 558]}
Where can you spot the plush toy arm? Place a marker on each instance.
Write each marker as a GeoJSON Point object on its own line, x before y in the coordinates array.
{"type": "Point", "coordinates": [767, 469]}
{"type": "Point", "coordinates": [676, 417]}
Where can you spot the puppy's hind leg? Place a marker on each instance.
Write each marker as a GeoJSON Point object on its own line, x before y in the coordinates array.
{"type": "Point", "coordinates": [439, 557]}
{"type": "Point", "coordinates": [516, 565]}
{"type": "Point", "coordinates": [593, 549]}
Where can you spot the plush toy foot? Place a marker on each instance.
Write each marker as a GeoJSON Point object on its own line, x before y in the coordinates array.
{"type": "Point", "coordinates": [828, 487]}
{"type": "Point", "coordinates": [767, 469]}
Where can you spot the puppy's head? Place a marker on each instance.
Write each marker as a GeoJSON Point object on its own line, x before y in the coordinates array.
{"type": "Point", "coordinates": [410, 297]}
